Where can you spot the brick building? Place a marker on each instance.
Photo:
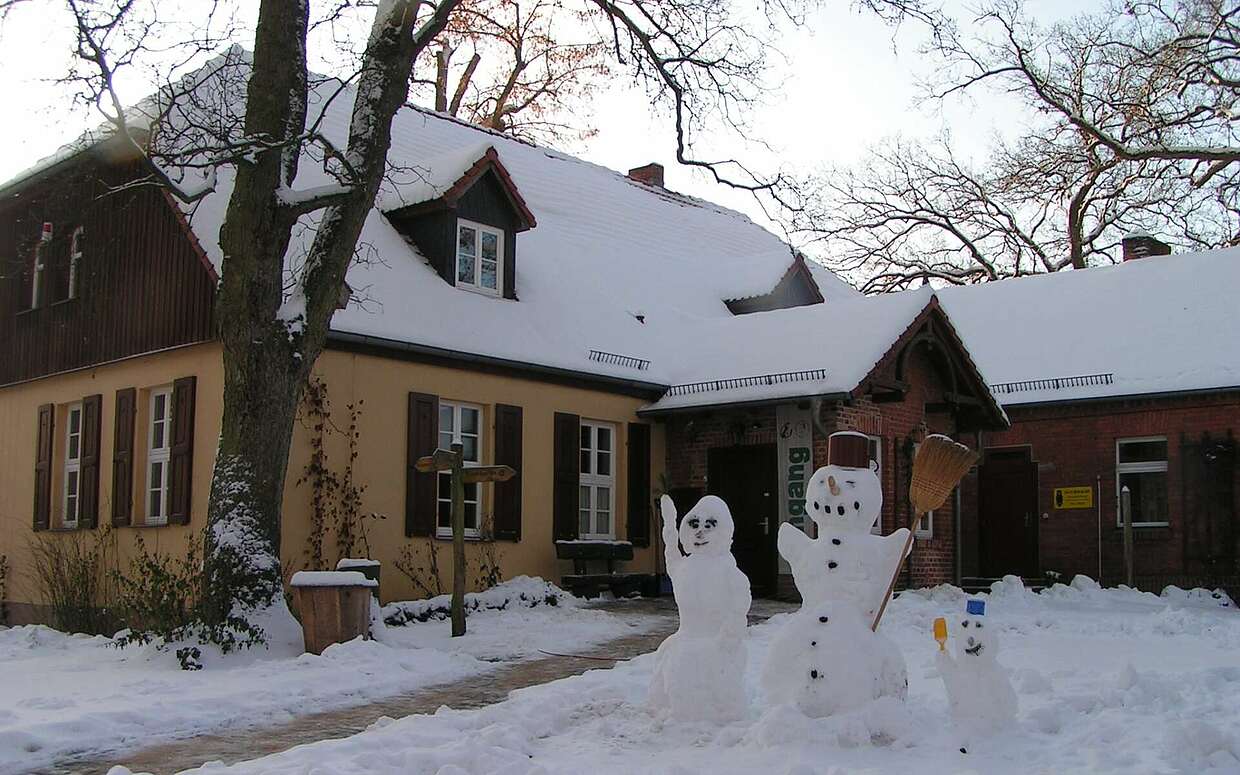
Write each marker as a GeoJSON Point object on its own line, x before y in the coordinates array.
{"type": "Point", "coordinates": [1124, 376]}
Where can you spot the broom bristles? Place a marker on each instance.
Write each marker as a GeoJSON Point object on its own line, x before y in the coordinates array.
{"type": "Point", "coordinates": [939, 466]}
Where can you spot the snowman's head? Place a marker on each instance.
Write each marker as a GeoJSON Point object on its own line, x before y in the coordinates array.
{"type": "Point", "coordinates": [707, 528]}
{"type": "Point", "coordinates": [975, 639]}
{"type": "Point", "coordinates": [842, 498]}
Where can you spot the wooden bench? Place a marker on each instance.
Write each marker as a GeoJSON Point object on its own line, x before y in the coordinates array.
{"type": "Point", "coordinates": [583, 583]}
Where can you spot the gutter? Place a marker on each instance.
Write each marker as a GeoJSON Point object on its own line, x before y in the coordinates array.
{"type": "Point", "coordinates": [344, 340]}
{"type": "Point", "coordinates": [1125, 397]}
{"type": "Point", "coordinates": [662, 412]}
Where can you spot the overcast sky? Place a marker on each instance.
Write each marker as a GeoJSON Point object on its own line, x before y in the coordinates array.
{"type": "Point", "coordinates": [844, 81]}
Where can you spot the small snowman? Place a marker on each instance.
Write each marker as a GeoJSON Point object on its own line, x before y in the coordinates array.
{"type": "Point", "coordinates": [979, 689]}
{"type": "Point", "coordinates": [700, 669]}
{"type": "Point", "coordinates": [845, 561]}
{"type": "Point", "coordinates": [824, 661]}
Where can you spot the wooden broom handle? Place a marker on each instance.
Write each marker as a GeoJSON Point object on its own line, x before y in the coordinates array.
{"type": "Point", "coordinates": [895, 574]}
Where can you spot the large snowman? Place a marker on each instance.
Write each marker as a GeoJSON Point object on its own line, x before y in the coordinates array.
{"type": "Point", "coordinates": [844, 569]}
{"type": "Point", "coordinates": [978, 687]}
{"type": "Point", "coordinates": [699, 670]}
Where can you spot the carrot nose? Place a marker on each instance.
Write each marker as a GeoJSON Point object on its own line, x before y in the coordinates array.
{"type": "Point", "coordinates": [835, 489]}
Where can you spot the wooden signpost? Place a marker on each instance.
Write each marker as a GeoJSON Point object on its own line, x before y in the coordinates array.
{"type": "Point", "coordinates": [453, 461]}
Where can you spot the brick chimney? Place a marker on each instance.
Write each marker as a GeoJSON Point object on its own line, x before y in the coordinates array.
{"type": "Point", "coordinates": [650, 174]}
{"type": "Point", "coordinates": [1138, 245]}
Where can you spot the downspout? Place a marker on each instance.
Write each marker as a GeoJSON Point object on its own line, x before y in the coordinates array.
{"type": "Point", "coordinates": [959, 524]}
{"type": "Point", "coordinates": [1098, 503]}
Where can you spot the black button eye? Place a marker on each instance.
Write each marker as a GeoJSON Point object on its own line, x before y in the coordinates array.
{"type": "Point", "coordinates": [836, 541]}
{"type": "Point", "coordinates": [813, 643]}
{"type": "Point", "coordinates": [979, 625]}
{"type": "Point", "coordinates": [964, 624]}
{"type": "Point", "coordinates": [710, 523]}
{"type": "Point", "coordinates": [833, 564]}
{"type": "Point", "coordinates": [816, 506]}
{"type": "Point", "coordinates": [840, 509]}
{"type": "Point", "coordinates": [813, 674]}
{"type": "Point", "coordinates": [857, 505]}
{"type": "Point", "coordinates": [822, 619]}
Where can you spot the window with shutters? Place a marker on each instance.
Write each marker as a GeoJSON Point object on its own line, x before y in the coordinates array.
{"type": "Point", "coordinates": [597, 500]}
{"type": "Point", "coordinates": [459, 424]}
{"type": "Point", "coordinates": [479, 257]}
{"type": "Point", "coordinates": [71, 497]}
{"type": "Point", "coordinates": [158, 452]}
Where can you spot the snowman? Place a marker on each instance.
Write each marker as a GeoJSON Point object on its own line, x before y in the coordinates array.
{"type": "Point", "coordinates": [822, 662]}
{"type": "Point", "coordinates": [846, 561]}
{"type": "Point", "coordinates": [699, 670]}
{"type": "Point", "coordinates": [978, 687]}
{"type": "Point", "coordinates": [846, 569]}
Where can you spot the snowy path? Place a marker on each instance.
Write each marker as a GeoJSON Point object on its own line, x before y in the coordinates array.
{"type": "Point", "coordinates": [69, 699]}
{"type": "Point", "coordinates": [1108, 681]}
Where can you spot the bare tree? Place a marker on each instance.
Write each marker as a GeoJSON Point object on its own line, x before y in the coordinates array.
{"type": "Point", "coordinates": [1057, 195]}
{"type": "Point", "coordinates": [524, 68]}
{"type": "Point", "coordinates": [697, 56]}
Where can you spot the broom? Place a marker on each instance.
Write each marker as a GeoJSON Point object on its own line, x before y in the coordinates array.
{"type": "Point", "coordinates": [939, 466]}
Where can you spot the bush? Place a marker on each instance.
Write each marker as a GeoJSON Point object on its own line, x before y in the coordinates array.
{"type": "Point", "coordinates": [71, 570]}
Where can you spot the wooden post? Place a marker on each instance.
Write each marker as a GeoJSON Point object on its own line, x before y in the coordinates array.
{"type": "Point", "coordinates": [458, 541]}
{"type": "Point", "coordinates": [454, 462]}
{"type": "Point", "coordinates": [1125, 504]}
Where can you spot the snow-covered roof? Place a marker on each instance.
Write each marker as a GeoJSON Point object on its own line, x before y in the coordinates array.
{"type": "Point", "coordinates": [1153, 325]}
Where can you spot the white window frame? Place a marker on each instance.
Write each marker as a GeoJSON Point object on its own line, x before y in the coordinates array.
{"type": "Point", "coordinates": [1146, 467]}
{"type": "Point", "coordinates": [72, 467]}
{"type": "Point", "coordinates": [446, 497]}
{"type": "Point", "coordinates": [476, 285]}
{"type": "Point", "coordinates": [925, 522]}
{"type": "Point", "coordinates": [161, 455]}
{"type": "Point", "coordinates": [75, 258]}
{"type": "Point", "coordinates": [595, 480]}
{"type": "Point", "coordinates": [876, 454]}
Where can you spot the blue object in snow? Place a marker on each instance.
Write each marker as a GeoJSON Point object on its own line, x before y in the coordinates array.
{"type": "Point", "coordinates": [975, 607]}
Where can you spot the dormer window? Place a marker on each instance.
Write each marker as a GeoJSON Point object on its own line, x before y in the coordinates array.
{"type": "Point", "coordinates": [479, 257]}
{"type": "Point", "coordinates": [463, 212]}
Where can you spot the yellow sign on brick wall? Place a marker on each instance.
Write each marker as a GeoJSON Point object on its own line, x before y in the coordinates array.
{"type": "Point", "coordinates": [1074, 497]}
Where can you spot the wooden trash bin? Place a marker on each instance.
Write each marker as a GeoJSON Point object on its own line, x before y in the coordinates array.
{"type": "Point", "coordinates": [334, 606]}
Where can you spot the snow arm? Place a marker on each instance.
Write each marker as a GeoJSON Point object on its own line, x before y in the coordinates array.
{"type": "Point", "coordinates": [792, 543]}
{"type": "Point", "coordinates": [671, 538]}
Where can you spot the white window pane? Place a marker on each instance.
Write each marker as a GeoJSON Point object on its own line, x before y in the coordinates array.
{"type": "Point", "coordinates": [585, 497]}
{"type": "Point", "coordinates": [465, 269]}
{"type": "Point", "coordinates": [71, 483]}
{"type": "Point", "coordinates": [583, 526]}
{"type": "Point", "coordinates": [445, 440]}
{"type": "Point", "coordinates": [1142, 451]}
{"type": "Point", "coordinates": [469, 420]}
{"type": "Point", "coordinates": [157, 436]}
{"type": "Point", "coordinates": [155, 510]}
{"type": "Point", "coordinates": [471, 516]}
{"type": "Point", "coordinates": [488, 276]}
{"type": "Point", "coordinates": [159, 411]}
{"type": "Point", "coordinates": [586, 467]}
{"type": "Point", "coordinates": [604, 464]}
{"type": "Point", "coordinates": [490, 246]}
{"type": "Point", "coordinates": [445, 515]}
{"type": "Point", "coordinates": [470, 444]}
{"type": "Point", "coordinates": [445, 486]}
{"type": "Point", "coordinates": [604, 522]}
{"type": "Point", "coordinates": [604, 498]}
{"type": "Point", "coordinates": [1147, 494]}
{"type": "Point", "coordinates": [75, 420]}
{"type": "Point", "coordinates": [73, 451]}
{"type": "Point", "coordinates": [446, 418]}
{"type": "Point", "coordinates": [604, 437]}
{"type": "Point", "coordinates": [471, 492]}
{"type": "Point", "coordinates": [585, 437]}
{"type": "Point", "coordinates": [467, 241]}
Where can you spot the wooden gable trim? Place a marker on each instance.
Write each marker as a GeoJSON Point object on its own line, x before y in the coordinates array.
{"type": "Point", "coordinates": [489, 161]}
{"type": "Point", "coordinates": [933, 324]}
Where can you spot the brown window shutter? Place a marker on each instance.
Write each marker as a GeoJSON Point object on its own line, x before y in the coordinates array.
{"type": "Point", "coordinates": [508, 453]}
{"type": "Point", "coordinates": [639, 484]}
{"type": "Point", "coordinates": [88, 505]}
{"type": "Point", "coordinates": [122, 458]}
{"type": "Point", "coordinates": [565, 493]}
{"type": "Point", "coordinates": [420, 487]}
{"type": "Point", "coordinates": [43, 468]}
{"type": "Point", "coordinates": [181, 452]}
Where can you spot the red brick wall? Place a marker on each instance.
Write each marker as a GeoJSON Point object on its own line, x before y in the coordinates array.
{"type": "Point", "coordinates": [1074, 445]}
{"type": "Point", "coordinates": [933, 561]}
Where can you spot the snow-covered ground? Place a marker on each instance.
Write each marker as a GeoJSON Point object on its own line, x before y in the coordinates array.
{"type": "Point", "coordinates": [62, 695]}
{"type": "Point", "coordinates": [1108, 681]}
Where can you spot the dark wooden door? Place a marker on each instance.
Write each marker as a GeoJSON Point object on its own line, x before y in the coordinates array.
{"type": "Point", "coordinates": [748, 481]}
{"type": "Point", "coordinates": [1007, 516]}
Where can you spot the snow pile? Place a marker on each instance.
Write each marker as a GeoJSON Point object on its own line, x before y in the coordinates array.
{"type": "Point", "coordinates": [1100, 690]}
{"type": "Point", "coordinates": [69, 695]}
{"type": "Point", "coordinates": [331, 578]}
{"type": "Point", "coordinates": [519, 592]}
